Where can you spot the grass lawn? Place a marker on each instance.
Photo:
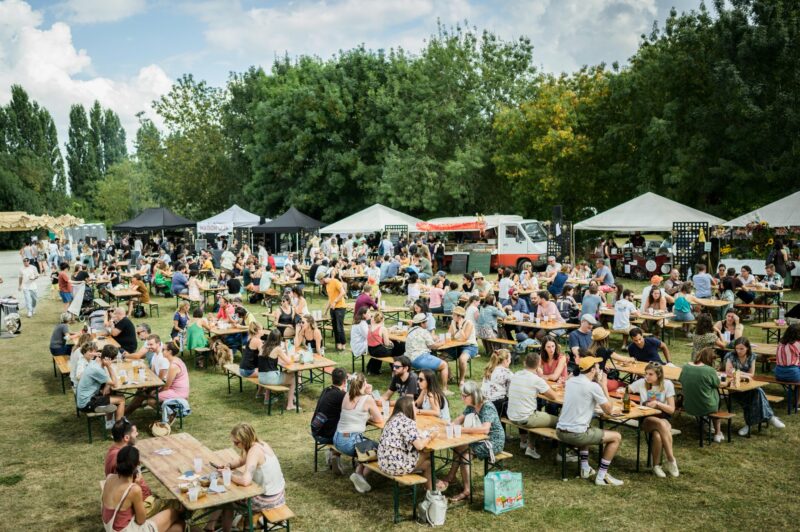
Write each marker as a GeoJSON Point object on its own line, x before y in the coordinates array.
{"type": "Point", "coordinates": [49, 471]}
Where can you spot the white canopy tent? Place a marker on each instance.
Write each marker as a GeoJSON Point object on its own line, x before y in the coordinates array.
{"type": "Point", "coordinates": [227, 220]}
{"type": "Point", "coordinates": [371, 219]}
{"type": "Point", "coordinates": [648, 212]}
{"type": "Point", "coordinates": [782, 213]}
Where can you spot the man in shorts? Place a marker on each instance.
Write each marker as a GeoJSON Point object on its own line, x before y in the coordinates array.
{"type": "Point", "coordinates": [93, 393]}
{"type": "Point", "coordinates": [582, 393]}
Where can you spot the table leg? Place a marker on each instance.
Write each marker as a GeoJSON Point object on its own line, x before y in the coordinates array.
{"type": "Point", "coordinates": [249, 515]}
{"type": "Point", "coordinates": [433, 469]}
{"type": "Point", "coordinates": [638, 442]}
{"type": "Point", "coordinates": [297, 391]}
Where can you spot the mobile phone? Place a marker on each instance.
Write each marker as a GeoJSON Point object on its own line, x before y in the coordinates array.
{"type": "Point", "coordinates": [215, 466]}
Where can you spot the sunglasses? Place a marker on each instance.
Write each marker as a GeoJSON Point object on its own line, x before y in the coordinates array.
{"type": "Point", "coordinates": [397, 366]}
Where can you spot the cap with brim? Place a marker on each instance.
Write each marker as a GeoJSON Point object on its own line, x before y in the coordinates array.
{"type": "Point", "coordinates": [459, 311]}
{"type": "Point", "coordinates": [656, 279]}
{"type": "Point", "coordinates": [419, 318]}
{"type": "Point", "coordinates": [512, 291]}
{"type": "Point", "coordinates": [588, 363]}
{"type": "Point", "coordinates": [600, 334]}
{"type": "Point", "coordinates": [589, 318]}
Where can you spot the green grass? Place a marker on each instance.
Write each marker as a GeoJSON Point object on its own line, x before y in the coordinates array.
{"type": "Point", "coordinates": [49, 472]}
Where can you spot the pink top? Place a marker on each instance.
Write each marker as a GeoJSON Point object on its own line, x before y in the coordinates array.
{"type": "Point", "coordinates": [550, 366]}
{"type": "Point", "coordinates": [180, 384]}
{"type": "Point", "coordinates": [548, 309]}
{"type": "Point", "coordinates": [788, 354]}
{"type": "Point", "coordinates": [374, 337]}
{"type": "Point", "coordinates": [122, 520]}
{"type": "Point", "coordinates": [435, 295]}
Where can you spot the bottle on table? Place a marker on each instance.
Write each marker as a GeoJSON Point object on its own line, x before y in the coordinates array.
{"type": "Point", "coordinates": [626, 401]}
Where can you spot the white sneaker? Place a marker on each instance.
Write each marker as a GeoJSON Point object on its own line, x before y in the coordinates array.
{"type": "Point", "coordinates": [360, 483]}
{"type": "Point", "coordinates": [608, 480]}
{"type": "Point", "coordinates": [657, 471]}
{"type": "Point", "coordinates": [571, 457]}
{"type": "Point", "coordinates": [530, 451]}
{"type": "Point", "coordinates": [744, 431]}
{"type": "Point", "coordinates": [719, 438]}
{"type": "Point", "coordinates": [587, 473]}
{"type": "Point", "coordinates": [106, 409]}
{"type": "Point", "coordinates": [777, 423]}
{"type": "Point", "coordinates": [110, 424]}
{"type": "Point", "coordinates": [30, 315]}
{"type": "Point", "coordinates": [671, 468]}
{"type": "Point", "coordinates": [523, 445]}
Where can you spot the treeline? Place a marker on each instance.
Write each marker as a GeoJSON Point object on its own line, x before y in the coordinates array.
{"type": "Point", "coordinates": [706, 113]}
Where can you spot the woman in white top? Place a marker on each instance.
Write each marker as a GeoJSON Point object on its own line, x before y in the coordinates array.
{"type": "Point", "coordinates": [463, 330]}
{"type": "Point", "coordinates": [431, 401]}
{"type": "Point", "coordinates": [496, 380]}
{"type": "Point", "coordinates": [472, 310]}
{"type": "Point", "coordinates": [414, 288]}
{"type": "Point", "coordinates": [360, 332]}
{"type": "Point", "coordinates": [195, 292]}
{"type": "Point", "coordinates": [261, 467]}
{"type": "Point", "coordinates": [358, 407]}
{"type": "Point", "coordinates": [657, 392]}
{"type": "Point", "coordinates": [299, 302]}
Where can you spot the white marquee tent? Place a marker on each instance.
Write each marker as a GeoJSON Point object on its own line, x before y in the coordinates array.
{"type": "Point", "coordinates": [226, 221]}
{"type": "Point", "coordinates": [782, 213]}
{"type": "Point", "coordinates": [648, 212]}
{"type": "Point", "coordinates": [371, 219]}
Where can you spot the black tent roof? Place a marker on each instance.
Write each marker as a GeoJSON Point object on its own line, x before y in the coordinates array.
{"type": "Point", "coordinates": [154, 219]}
{"type": "Point", "coordinates": [291, 221]}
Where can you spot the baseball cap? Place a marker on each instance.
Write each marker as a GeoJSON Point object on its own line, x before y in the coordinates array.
{"type": "Point", "coordinates": [587, 363]}
{"type": "Point", "coordinates": [589, 318]}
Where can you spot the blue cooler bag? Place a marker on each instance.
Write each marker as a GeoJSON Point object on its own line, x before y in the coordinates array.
{"type": "Point", "coordinates": [502, 492]}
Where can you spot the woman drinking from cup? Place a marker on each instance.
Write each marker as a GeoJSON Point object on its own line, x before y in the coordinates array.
{"type": "Point", "coordinates": [431, 401]}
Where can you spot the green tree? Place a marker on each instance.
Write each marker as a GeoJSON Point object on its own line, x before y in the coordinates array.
{"type": "Point", "coordinates": [113, 137]}
{"type": "Point", "coordinates": [83, 173]}
{"type": "Point", "coordinates": [123, 192]}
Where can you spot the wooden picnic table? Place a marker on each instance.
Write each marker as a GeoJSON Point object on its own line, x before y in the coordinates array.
{"type": "Point", "coordinates": [168, 468]}
{"type": "Point", "coordinates": [284, 282]}
{"type": "Point", "coordinates": [765, 290]}
{"type": "Point", "coordinates": [673, 373]}
{"type": "Point", "coordinates": [216, 330]}
{"type": "Point", "coordinates": [772, 329]}
{"type": "Point", "coordinates": [316, 373]}
{"type": "Point", "coordinates": [441, 443]}
{"type": "Point", "coordinates": [131, 369]}
{"type": "Point", "coordinates": [544, 325]}
{"type": "Point", "coordinates": [122, 293]}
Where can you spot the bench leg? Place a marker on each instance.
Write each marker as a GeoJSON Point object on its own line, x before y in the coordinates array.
{"type": "Point", "coordinates": [414, 502]}
{"type": "Point", "coordinates": [63, 385]}
{"type": "Point", "coordinates": [54, 367]}
{"type": "Point", "coordinates": [563, 450]}
{"type": "Point", "coordinates": [396, 496]}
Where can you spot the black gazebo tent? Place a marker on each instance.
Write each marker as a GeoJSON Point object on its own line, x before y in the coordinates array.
{"type": "Point", "coordinates": [292, 221]}
{"type": "Point", "coordinates": [155, 219]}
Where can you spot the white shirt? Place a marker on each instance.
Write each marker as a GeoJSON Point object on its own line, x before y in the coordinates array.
{"type": "Point", "coordinates": [661, 395]}
{"type": "Point", "coordinates": [471, 314]}
{"type": "Point", "coordinates": [358, 338]}
{"type": "Point", "coordinates": [505, 284]}
{"type": "Point", "coordinates": [522, 393]}
{"type": "Point", "coordinates": [553, 268]}
{"type": "Point", "coordinates": [580, 398]}
{"type": "Point", "coordinates": [622, 314]}
{"type": "Point", "coordinates": [29, 274]}
{"type": "Point", "coordinates": [159, 362]}
{"type": "Point", "coordinates": [228, 259]}
{"type": "Point", "coordinates": [646, 293]}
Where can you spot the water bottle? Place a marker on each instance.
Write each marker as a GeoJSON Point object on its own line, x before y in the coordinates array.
{"type": "Point", "coordinates": [119, 357]}
{"type": "Point", "coordinates": [781, 314]}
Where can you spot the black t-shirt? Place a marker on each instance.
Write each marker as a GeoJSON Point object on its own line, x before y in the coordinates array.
{"type": "Point", "coordinates": [81, 276]}
{"type": "Point", "coordinates": [330, 404]}
{"type": "Point", "coordinates": [234, 285]}
{"type": "Point", "coordinates": [409, 387]}
{"type": "Point", "coordinates": [127, 335]}
{"type": "Point", "coordinates": [312, 273]}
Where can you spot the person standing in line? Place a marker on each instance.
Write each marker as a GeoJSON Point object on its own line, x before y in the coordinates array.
{"type": "Point", "coordinates": [337, 307]}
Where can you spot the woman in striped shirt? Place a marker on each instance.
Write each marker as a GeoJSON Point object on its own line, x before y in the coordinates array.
{"type": "Point", "coordinates": [787, 357]}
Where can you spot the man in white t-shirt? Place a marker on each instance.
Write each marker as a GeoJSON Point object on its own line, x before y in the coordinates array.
{"type": "Point", "coordinates": [523, 391]}
{"type": "Point", "coordinates": [582, 393]}
{"type": "Point", "coordinates": [505, 284]}
{"type": "Point", "coordinates": [623, 310]}
{"type": "Point", "coordinates": [27, 283]}
{"type": "Point", "coordinates": [160, 366]}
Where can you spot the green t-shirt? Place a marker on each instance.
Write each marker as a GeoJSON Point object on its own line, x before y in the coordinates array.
{"type": "Point", "coordinates": [700, 389]}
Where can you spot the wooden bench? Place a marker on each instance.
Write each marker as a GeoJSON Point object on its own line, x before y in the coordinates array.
{"type": "Point", "coordinates": [672, 326]}
{"type": "Point", "coordinates": [318, 447]}
{"type": "Point", "coordinates": [152, 306]}
{"type": "Point", "coordinates": [792, 389]}
{"type": "Point", "coordinates": [61, 365]}
{"type": "Point", "coordinates": [269, 520]}
{"type": "Point", "coordinates": [192, 303]}
{"type": "Point", "coordinates": [277, 391]}
{"type": "Point", "coordinates": [388, 360]}
{"type": "Point", "coordinates": [406, 481]}
{"type": "Point", "coordinates": [89, 417]}
{"type": "Point", "coordinates": [762, 310]}
{"type": "Point", "coordinates": [100, 303]}
{"type": "Point", "coordinates": [499, 458]}
{"type": "Point", "coordinates": [704, 421]}
{"type": "Point", "coordinates": [548, 434]}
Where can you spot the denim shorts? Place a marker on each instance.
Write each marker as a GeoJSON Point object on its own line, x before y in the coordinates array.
{"type": "Point", "coordinates": [246, 372]}
{"type": "Point", "coordinates": [787, 373]}
{"type": "Point", "coordinates": [271, 378]}
{"type": "Point", "coordinates": [426, 361]}
{"type": "Point", "coordinates": [682, 316]}
{"type": "Point", "coordinates": [347, 445]}
{"type": "Point", "coordinates": [471, 350]}
{"type": "Point", "coordinates": [66, 297]}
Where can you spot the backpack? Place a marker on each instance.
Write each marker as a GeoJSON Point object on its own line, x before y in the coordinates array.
{"type": "Point", "coordinates": [433, 510]}
{"type": "Point", "coordinates": [138, 311]}
{"type": "Point", "coordinates": [564, 308]}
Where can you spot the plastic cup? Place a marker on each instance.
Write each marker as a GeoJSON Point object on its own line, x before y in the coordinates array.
{"type": "Point", "coordinates": [457, 431]}
{"type": "Point", "coordinates": [449, 431]}
{"type": "Point", "coordinates": [386, 409]}
{"type": "Point", "coordinates": [538, 320]}
{"type": "Point", "coordinates": [226, 477]}
{"type": "Point", "coordinates": [198, 465]}
{"type": "Point", "coordinates": [213, 478]}
{"type": "Point", "coordinates": [142, 375]}
{"type": "Point", "coordinates": [193, 494]}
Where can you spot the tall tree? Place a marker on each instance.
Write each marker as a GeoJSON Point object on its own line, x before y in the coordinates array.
{"type": "Point", "coordinates": [83, 173]}
{"type": "Point", "coordinates": [96, 137]}
{"type": "Point", "coordinates": [113, 138]}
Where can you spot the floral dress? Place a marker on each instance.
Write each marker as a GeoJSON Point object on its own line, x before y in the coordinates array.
{"type": "Point", "coordinates": [754, 403]}
{"type": "Point", "coordinates": [396, 452]}
{"type": "Point", "coordinates": [497, 437]}
{"type": "Point", "coordinates": [700, 342]}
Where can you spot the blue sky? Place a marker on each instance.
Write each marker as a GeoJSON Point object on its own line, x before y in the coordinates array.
{"type": "Point", "coordinates": [127, 52]}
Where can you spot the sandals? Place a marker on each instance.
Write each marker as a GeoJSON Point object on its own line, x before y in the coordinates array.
{"type": "Point", "coordinates": [442, 485]}
{"type": "Point", "coordinates": [460, 497]}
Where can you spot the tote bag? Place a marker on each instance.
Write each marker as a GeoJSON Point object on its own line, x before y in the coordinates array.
{"type": "Point", "coordinates": [502, 492]}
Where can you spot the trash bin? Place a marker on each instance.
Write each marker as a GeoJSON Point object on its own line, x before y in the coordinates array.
{"type": "Point", "coordinates": [480, 261]}
{"type": "Point", "coordinates": [458, 262]}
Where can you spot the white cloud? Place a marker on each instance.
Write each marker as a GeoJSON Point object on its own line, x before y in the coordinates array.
{"type": "Point", "coordinates": [565, 33]}
{"type": "Point", "coordinates": [92, 11]}
{"type": "Point", "coordinates": [46, 63]}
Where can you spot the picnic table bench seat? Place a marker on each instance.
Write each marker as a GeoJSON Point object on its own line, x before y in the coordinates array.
{"type": "Point", "coordinates": [791, 390]}
{"type": "Point", "coordinates": [277, 391]}
{"type": "Point", "coordinates": [61, 368]}
{"type": "Point", "coordinates": [548, 434]}
{"type": "Point", "coordinates": [407, 481]}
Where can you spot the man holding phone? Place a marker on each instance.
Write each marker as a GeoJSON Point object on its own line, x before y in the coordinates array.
{"type": "Point", "coordinates": [582, 393]}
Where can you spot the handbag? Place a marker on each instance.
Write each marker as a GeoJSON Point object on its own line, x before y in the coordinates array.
{"type": "Point", "coordinates": [433, 510]}
{"type": "Point", "coordinates": [471, 421]}
{"type": "Point", "coordinates": [502, 492]}
{"type": "Point", "coordinates": [367, 451]}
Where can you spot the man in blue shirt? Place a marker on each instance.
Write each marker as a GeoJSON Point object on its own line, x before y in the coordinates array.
{"type": "Point", "coordinates": [581, 338]}
{"type": "Point", "coordinates": [703, 282]}
{"type": "Point", "coordinates": [93, 393]}
{"type": "Point", "coordinates": [180, 284]}
{"type": "Point", "coordinates": [646, 349]}
{"type": "Point", "coordinates": [591, 302]}
{"type": "Point", "coordinates": [604, 277]}
{"type": "Point", "coordinates": [514, 303]}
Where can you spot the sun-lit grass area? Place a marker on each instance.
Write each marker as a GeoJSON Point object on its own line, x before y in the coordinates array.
{"type": "Point", "coordinates": [49, 471]}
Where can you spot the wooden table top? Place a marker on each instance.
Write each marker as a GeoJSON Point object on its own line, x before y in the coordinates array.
{"type": "Point", "coordinates": [441, 441]}
{"type": "Point", "coordinates": [185, 448]}
{"type": "Point", "coordinates": [233, 329]}
{"type": "Point", "coordinates": [674, 374]}
{"type": "Point", "coordinates": [765, 290]}
{"type": "Point", "coordinates": [123, 292]}
{"type": "Point", "coordinates": [319, 363]}
{"type": "Point", "coordinates": [284, 282]}
{"type": "Point", "coordinates": [771, 325]}
{"type": "Point", "coordinates": [103, 340]}
{"type": "Point", "coordinates": [636, 412]}
{"type": "Point", "coordinates": [708, 303]}
{"type": "Point", "coordinates": [642, 315]}
{"type": "Point", "coordinates": [545, 325]}
{"type": "Point", "coordinates": [133, 382]}
{"type": "Point", "coordinates": [769, 350]}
